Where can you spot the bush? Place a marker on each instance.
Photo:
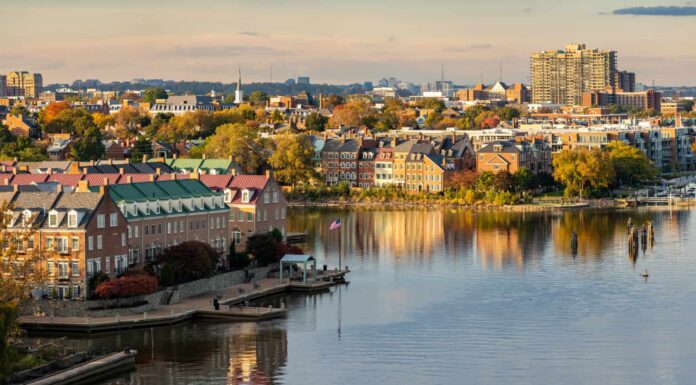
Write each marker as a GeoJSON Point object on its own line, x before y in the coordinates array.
{"type": "Point", "coordinates": [264, 247]}
{"type": "Point", "coordinates": [127, 287]}
{"type": "Point", "coordinates": [96, 280]}
{"type": "Point", "coordinates": [8, 317]}
{"type": "Point", "coordinates": [189, 261]}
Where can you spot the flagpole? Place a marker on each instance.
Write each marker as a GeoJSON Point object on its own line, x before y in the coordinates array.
{"type": "Point", "coordinates": [340, 265]}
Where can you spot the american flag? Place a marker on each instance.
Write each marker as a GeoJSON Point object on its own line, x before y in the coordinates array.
{"type": "Point", "coordinates": [335, 224]}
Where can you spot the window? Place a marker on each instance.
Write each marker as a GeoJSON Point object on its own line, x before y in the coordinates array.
{"type": "Point", "coordinates": [130, 232]}
{"type": "Point", "coordinates": [249, 217]}
{"type": "Point", "coordinates": [241, 216]}
{"type": "Point", "coordinates": [101, 221]}
{"type": "Point", "coordinates": [136, 231]}
{"type": "Point", "coordinates": [217, 222]}
{"type": "Point", "coordinates": [169, 227]}
{"type": "Point", "coordinates": [265, 215]}
{"type": "Point", "coordinates": [282, 213]}
{"type": "Point", "coordinates": [152, 229]}
{"type": "Point", "coordinates": [236, 237]}
{"type": "Point", "coordinates": [90, 243]}
{"type": "Point", "coordinates": [49, 243]}
{"type": "Point", "coordinates": [147, 229]}
{"type": "Point", "coordinates": [99, 242]}
{"type": "Point", "coordinates": [275, 196]}
{"type": "Point", "coordinates": [113, 219]}
{"type": "Point", "coordinates": [30, 243]}
{"type": "Point", "coordinates": [72, 219]}
{"type": "Point", "coordinates": [266, 197]}
{"type": "Point", "coordinates": [159, 228]}
{"type": "Point", "coordinates": [212, 223]}
{"type": "Point", "coordinates": [75, 244]}
{"type": "Point", "coordinates": [190, 225]}
{"type": "Point", "coordinates": [53, 220]}
{"type": "Point", "coordinates": [107, 265]}
{"type": "Point", "coordinates": [63, 270]}
{"type": "Point", "coordinates": [245, 196]}
{"type": "Point", "coordinates": [76, 269]}
{"type": "Point", "coordinates": [50, 267]}
{"type": "Point", "coordinates": [123, 239]}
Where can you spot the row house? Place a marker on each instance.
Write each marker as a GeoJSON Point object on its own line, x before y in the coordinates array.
{"type": "Point", "coordinates": [426, 172]}
{"type": "Point", "coordinates": [166, 213]}
{"type": "Point", "coordinates": [512, 156]}
{"type": "Point", "coordinates": [339, 161]}
{"type": "Point", "coordinates": [81, 233]}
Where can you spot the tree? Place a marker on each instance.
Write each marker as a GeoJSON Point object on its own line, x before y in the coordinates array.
{"type": "Point", "coordinates": [103, 121]}
{"type": "Point", "coordinates": [462, 180]}
{"type": "Point", "coordinates": [263, 247]}
{"type": "Point", "coordinates": [128, 121]}
{"type": "Point", "coordinates": [240, 141]}
{"type": "Point", "coordinates": [316, 122]}
{"type": "Point", "coordinates": [433, 119]}
{"type": "Point", "coordinates": [580, 169]}
{"type": "Point", "coordinates": [51, 111]}
{"type": "Point", "coordinates": [632, 166]}
{"type": "Point", "coordinates": [487, 119]}
{"type": "Point", "coordinates": [152, 94]}
{"type": "Point", "coordinates": [507, 113]}
{"type": "Point", "coordinates": [20, 109]}
{"type": "Point", "coordinates": [330, 102]}
{"type": "Point", "coordinates": [523, 179]}
{"type": "Point", "coordinates": [72, 120]}
{"type": "Point", "coordinates": [142, 147]}
{"type": "Point", "coordinates": [189, 260]}
{"type": "Point", "coordinates": [258, 98]}
{"type": "Point", "coordinates": [468, 118]}
{"type": "Point", "coordinates": [88, 146]}
{"type": "Point", "coordinates": [352, 114]}
{"type": "Point", "coordinates": [503, 181]}
{"type": "Point", "coordinates": [292, 158]}
{"type": "Point", "coordinates": [431, 104]}
{"type": "Point", "coordinates": [237, 260]}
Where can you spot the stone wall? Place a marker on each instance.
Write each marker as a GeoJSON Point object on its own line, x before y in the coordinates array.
{"type": "Point", "coordinates": [61, 308]}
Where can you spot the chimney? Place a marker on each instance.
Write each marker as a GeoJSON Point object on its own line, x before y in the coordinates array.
{"type": "Point", "coordinates": [454, 136]}
{"type": "Point", "coordinates": [129, 179]}
{"type": "Point", "coordinates": [49, 171]}
{"type": "Point", "coordinates": [106, 181]}
{"type": "Point", "coordinates": [15, 188]}
{"type": "Point", "coordinates": [91, 163]}
{"type": "Point", "coordinates": [203, 156]}
{"type": "Point", "coordinates": [127, 160]}
{"type": "Point", "coordinates": [174, 156]}
{"type": "Point", "coordinates": [158, 171]}
{"type": "Point", "coordinates": [83, 186]}
{"type": "Point", "coordinates": [122, 170]}
{"type": "Point", "coordinates": [14, 170]}
{"type": "Point", "coordinates": [360, 141]}
{"type": "Point", "coordinates": [111, 161]}
{"type": "Point", "coordinates": [84, 170]}
{"type": "Point", "coordinates": [59, 188]}
{"type": "Point", "coordinates": [144, 158]}
{"type": "Point", "coordinates": [152, 177]}
{"type": "Point", "coordinates": [268, 174]}
{"type": "Point", "coordinates": [103, 190]}
{"type": "Point", "coordinates": [233, 171]}
{"type": "Point", "coordinates": [194, 175]}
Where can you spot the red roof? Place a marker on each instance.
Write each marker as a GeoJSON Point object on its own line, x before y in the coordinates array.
{"type": "Point", "coordinates": [4, 178]}
{"type": "Point", "coordinates": [216, 182]}
{"type": "Point", "coordinates": [98, 179]}
{"type": "Point", "coordinates": [66, 179]}
{"type": "Point", "coordinates": [135, 178]}
{"type": "Point", "coordinates": [249, 181]}
{"type": "Point", "coordinates": [25, 179]}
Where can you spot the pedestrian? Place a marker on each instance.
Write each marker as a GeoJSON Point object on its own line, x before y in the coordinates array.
{"type": "Point", "coordinates": [216, 304]}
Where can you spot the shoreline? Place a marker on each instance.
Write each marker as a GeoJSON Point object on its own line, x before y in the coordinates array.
{"type": "Point", "coordinates": [591, 204]}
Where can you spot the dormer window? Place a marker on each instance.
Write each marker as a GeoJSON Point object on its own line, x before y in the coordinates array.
{"type": "Point", "coordinates": [245, 196]}
{"type": "Point", "coordinates": [53, 219]}
{"type": "Point", "coordinates": [72, 219]}
{"type": "Point", "coordinates": [228, 196]}
{"type": "Point", "coordinates": [26, 218]}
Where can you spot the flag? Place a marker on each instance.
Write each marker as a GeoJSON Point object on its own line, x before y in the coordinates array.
{"type": "Point", "coordinates": [335, 224]}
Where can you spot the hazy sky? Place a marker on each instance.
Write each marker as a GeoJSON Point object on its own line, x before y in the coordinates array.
{"type": "Point", "coordinates": [338, 41]}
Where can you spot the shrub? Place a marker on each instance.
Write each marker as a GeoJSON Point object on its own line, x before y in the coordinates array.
{"type": "Point", "coordinates": [264, 247]}
{"type": "Point", "coordinates": [127, 286]}
{"type": "Point", "coordinates": [96, 280]}
{"type": "Point", "coordinates": [8, 317]}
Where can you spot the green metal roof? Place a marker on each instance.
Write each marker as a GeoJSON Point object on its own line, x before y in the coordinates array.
{"type": "Point", "coordinates": [217, 164]}
{"type": "Point", "coordinates": [187, 164]}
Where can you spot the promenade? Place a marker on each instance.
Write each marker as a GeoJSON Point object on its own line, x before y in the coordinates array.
{"type": "Point", "coordinates": [231, 301]}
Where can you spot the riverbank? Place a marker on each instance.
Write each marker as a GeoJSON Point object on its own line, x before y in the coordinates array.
{"type": "Point", "coordinates": [540, 205]}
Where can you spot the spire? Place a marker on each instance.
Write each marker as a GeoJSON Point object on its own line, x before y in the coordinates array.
{"type": "Point", "coordinates": [239, 95]}
{"type": "Point", "coordinates": [239, 79]}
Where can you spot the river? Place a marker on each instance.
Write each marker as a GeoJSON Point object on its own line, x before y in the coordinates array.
{"type": "Point", "coordinates": [441, 296]}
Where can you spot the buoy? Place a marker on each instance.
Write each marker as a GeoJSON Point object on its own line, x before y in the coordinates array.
{"type": "Point", "coordinates": [645, 274]}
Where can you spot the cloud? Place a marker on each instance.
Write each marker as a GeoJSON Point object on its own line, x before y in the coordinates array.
{"type": "Point", "coordinates": [219, 50]}
{"type": "Point", "coordinates": [391, 39]}
{"type": "Point", "coordinates": [252, 33]}
{"type": "Point", "coordinates": [469, 48]}
{"type": "Point", "coordinates": [657, 11]}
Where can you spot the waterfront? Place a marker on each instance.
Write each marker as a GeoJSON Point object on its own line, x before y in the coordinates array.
{"type": "Point", "coordinates": [444, 296]}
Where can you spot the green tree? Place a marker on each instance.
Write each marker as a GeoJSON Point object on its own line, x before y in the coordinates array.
{"type": "Point", "coordinates": [632, 166]}
{"type": "Point", "coordinates": [152, 94]}
{"type": "Point", "coordinates": [507, 113]}
{"type": "Point", "coordinates": [258, 98]}
{"type": "Point", "coordinates": [316, 122]}
{"type": "Point", "coordinates": [292, 159]}
{"type": "Point", "coordinates": [580, 169]}
{"type": "Point", "coordinates": [524, 179]}
{"type": "Point", "coordinates": [240, 141]}
{"type": "Point", "coordinates": [142, 147]}
{"type": "Point", "coordinates": [88, 146]}
{"type": "Point", "coordinates": [73, 120]}
{"type": "Point", "coordinates": [19, 109]}
{"type": "Point", "coordinates": [264, 248]}
{"type": "Point", "coordinates": [503, 181]}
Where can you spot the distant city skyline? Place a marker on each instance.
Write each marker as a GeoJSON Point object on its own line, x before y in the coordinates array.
{"type": "Point", "coordinates": [338, 42]}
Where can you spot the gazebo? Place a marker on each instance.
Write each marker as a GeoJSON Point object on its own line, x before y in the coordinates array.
{"type": "Point", "coordinates": [296, 259]}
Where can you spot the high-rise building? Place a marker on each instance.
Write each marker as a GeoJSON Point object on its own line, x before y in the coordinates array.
{"type": "Point", "coordinates": [3, 86]}
{"type": "Point", "coordinates": [23, 83]}
{"type": "Point", "coordinates": [561, 77]}
{"type": "Point", "coordinates": [303, 80]}
{"type": "Point", "coordinates": [625, 81]}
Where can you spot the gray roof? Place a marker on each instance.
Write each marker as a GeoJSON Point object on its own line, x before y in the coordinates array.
{"type": "Point", "coordinates": [35, 200]}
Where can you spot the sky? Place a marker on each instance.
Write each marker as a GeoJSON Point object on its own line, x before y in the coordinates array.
{"type": "Point", "coordinates": [338, 41]}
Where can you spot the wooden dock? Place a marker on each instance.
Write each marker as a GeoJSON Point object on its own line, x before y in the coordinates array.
{"type": "Point", "coordinates": [230, 300]}
{"type": "Point", "coordinates": [90, 371]}
{"type": "Point", "coordinates": [293, 238]}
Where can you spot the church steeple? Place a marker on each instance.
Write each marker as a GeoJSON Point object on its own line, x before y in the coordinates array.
{"type": "Point", "coordinates": [239, 95]}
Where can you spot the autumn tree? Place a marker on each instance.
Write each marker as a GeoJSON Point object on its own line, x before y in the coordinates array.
{"type": "Point", "coordinates": [51, 111]}
{"type": "Point", "coordinates": [127, 286]}
{"type": "Point", "coordinates": [582, 169]}
{"type": "Point", "coordinates": [352, 114]}
{"type": "Point", "coordinates": [503, 181]}
{"type": "Point", "coordinates": [152, 94]}
{"type": "Point", "coordinates": [128, 122]}
{"type": "Point", "coordinates": [19, 109]}
{"type": "Point", "coordinates": [632, 166]}
{"type": "Point", "coordinates": [103, 121]}
{"type": "Point", "coordinates": [331, 101]}
{"type": "Point", "coordinates": [188, 261]}
{"type": "Point", "coordinates": [258, 98]}
{"type": "Point", "coordinates": [292, 159]}
{"type": "Point", "coordinates": [487, 119]}
{"type": "Point", "coordinates": [462, 179]}
{"type": "Point", "coordinates": [70, 120]}
{"type": "Point", "coordinates": [240, 141]}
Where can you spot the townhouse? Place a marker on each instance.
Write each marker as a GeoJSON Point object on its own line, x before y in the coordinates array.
{"type": "Point", "coordinates": [511, 156]}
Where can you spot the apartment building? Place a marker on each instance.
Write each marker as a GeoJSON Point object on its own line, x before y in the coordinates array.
{"type": "Point", "coordinates": [512, 156]}
{"type": "Point", "coordinates": [637, 100]}
{"type": "Point", "coordinates": [23, 84]}
{"type": "Point", "coordinates": [84, 232]}
{"type": "Point", "coordinates": [561, 76]}
{"type": "Point", "coordinates": [166, 213]}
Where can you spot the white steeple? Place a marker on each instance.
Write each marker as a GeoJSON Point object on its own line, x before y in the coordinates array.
{"type": "Point", "coordinates": [238, 94]}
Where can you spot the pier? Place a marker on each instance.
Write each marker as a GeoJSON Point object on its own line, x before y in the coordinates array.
{"type": "Point", "coordinates": [90, 371]}
{"type": "Point", "coordinates": [231, 302]}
